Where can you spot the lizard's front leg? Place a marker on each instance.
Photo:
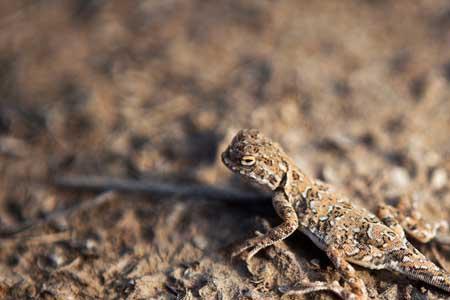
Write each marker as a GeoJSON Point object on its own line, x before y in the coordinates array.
{"type": "Point", "coordinates": [405, 217]}
{"type": "Point", "coordinates": [287, 212]}
{"type": "Point", "coordinates": [348, 272]}
{"type": "Point", "coordinates": [286, 263]}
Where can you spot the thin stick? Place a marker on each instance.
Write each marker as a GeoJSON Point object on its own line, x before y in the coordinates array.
{"type": "Point", "coordinates": [95, 183]}
{"type": "Point", "coordinates": [100, 199]}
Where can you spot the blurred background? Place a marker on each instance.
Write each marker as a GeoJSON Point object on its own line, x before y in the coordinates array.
{"type": "Point", "coordinates": [154, 90]}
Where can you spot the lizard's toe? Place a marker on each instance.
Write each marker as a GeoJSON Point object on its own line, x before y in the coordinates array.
{"type": "Point", "coordinates": [248, 249]}
{"type": "Point", "coordinates": [318, 286]}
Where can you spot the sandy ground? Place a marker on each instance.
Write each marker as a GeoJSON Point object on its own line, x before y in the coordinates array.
{"type": "Point", "coordinates": [153, 91]}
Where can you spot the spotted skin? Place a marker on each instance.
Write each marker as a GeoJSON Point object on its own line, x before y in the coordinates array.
{"type": "Point", "coordinates": [405, 217]}
{"type": "Point", "coordinates": [348, 234]}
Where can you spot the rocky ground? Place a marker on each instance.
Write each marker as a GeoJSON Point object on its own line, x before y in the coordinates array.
{"type": "Point", "coordinates": [357, 92]}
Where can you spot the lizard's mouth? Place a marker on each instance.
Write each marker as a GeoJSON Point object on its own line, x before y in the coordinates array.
{"type": "Point", "coordinates": [227, 161]}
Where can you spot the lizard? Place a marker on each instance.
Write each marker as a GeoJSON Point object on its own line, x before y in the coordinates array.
{"type": "Point", "coordinates": [348, 234]}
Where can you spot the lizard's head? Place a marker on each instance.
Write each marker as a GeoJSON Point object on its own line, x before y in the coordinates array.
{"type": "Point", "coordinates": [253, 155]}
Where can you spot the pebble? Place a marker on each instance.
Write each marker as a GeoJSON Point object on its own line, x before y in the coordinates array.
{"type": "Point", "coordinates": [200, 242]}
{"type": "Point", "coordinates": [439, 178]}
{"type": "Point", "coordinates": [399, 177]}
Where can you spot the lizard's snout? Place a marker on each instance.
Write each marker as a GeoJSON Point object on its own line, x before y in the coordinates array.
{"type": "Point", "coordinates": [227, 159]}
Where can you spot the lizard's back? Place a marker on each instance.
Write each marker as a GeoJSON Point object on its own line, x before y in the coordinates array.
{"type": "Point", "coordinates": [365, 240]}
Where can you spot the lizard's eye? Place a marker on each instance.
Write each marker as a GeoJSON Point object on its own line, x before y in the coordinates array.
{"type": "Point", "coordinates": [248, 160]}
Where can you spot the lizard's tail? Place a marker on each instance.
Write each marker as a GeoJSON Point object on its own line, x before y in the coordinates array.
{"type": "Point", "coordinates": [420, 268]}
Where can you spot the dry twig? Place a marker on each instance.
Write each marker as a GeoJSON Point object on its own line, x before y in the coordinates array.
{"type": "Point", "coordinates": [82, 206]}
{"type": "Point", "coordinates": [95, 183]}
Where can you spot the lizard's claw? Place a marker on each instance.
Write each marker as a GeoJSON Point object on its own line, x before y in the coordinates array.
{"type": "Point", "coordinates": [314, 287]}
{"type": "Point", "coordinates": [249, 248]}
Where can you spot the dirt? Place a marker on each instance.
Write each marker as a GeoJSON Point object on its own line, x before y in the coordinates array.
{"type": "Point", "coordinates": [355, 91]}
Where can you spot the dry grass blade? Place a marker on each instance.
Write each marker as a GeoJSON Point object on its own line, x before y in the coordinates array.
{"type": "Point", "coordinates": [160, 189]}
{"type": "Point", "coordinates": [65, 213]}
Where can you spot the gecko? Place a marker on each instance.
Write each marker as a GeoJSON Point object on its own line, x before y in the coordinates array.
{"type": "Point", "coordinates": [348, 234]}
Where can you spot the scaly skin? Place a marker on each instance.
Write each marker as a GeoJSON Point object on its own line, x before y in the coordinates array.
{"type": "Point", "coordinates": [348, 234]}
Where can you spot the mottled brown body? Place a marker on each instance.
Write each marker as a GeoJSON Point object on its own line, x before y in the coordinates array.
{"type": "Point", "coordinates": [347, 234]}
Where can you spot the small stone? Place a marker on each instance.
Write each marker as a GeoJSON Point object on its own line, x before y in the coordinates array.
{"type": "Point", "coordinates": [200, 242]}
{"type": "Point", "coordinates": [400, 177]}
{"type": "Point", "coordinates": [439, 178]}
{"type": "Point", "coordinates": [91, 244]}
{"type": "Point", "coordinates": [58, 259]}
